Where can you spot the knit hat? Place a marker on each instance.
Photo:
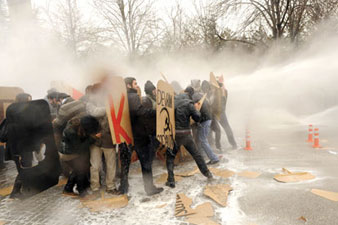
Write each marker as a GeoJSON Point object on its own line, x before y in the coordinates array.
{"type": "Point", "coordinates": [149, 87]}
{"type": "Point", "coordinates": [90, 124]}
{"type": "Point", "coordinates": [190, 91]}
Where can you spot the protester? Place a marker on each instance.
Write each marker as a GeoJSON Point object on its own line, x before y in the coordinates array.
{"type": "Point", "coordinates": [78, 136]}
{"type": "Point", "coordinates": [103, 145]}
{"type": "Point", "coordinates": [184, 109]}
{"type": "Point", "coordinates": [223, 118]}
{"type": "Point", "coordinates": [21, 159]}
{"type": "Point", "coordinates": [143, 143]}
{"type": "Point", "coordinates": [203, 128]}
{"type": "Point", "coordinates": [52, 99]}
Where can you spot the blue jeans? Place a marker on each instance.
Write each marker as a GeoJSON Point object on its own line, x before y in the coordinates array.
{"type": "Point", "coordinates": [203, 132]}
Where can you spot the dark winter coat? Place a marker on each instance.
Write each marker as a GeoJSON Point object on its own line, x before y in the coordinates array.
{"type": "Point", "coordinates": [184, 109]}
{"type": "Point", "coordinates": [138, 114]}
{"type": "Point", "coordinates": [74, 141]}
{"type": "Point", "coordinates": [149, 123]}
{"type": "Point", "coordinates": [99, 112]}
{"type": "Point", "coordinates": [67, 112]}
{"type": "Point", "coordinates": [3, 131]}
{"type": "Point", "coordinates": [205, 109]}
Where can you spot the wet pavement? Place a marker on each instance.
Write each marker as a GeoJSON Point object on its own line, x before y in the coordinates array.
{"type": "Point", "coordinates": [261, 201]}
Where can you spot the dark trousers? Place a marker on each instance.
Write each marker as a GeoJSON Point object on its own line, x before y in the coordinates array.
{"type": "Point", "coordinates": [226, 126]}
{"type": "Point", "coordinates": [2, 157]}
{"type": "Point", "coordinates": [187, 141]}
{"type": "Point", "coordinates": [79, 175]}
{"type": "Point", "coordinates": [217, 129]}
{"type": "Point", "coordinates": [145, 152]}
{"type": "Point", "coordinates": [21, 161]}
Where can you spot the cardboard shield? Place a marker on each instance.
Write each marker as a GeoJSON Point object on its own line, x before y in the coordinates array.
{"type": "Point", "coordinates": [117, 108]}
{"type": "Point", "coordinates": [31, 143]}
{"type": "Point", "coordinates": [165, 114]}
{"type": "Point", "coordinates": [7, 97]}
{"type": "Point", "coordinates": [217, 93]}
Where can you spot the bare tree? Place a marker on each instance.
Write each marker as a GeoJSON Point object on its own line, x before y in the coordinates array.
{"type": "Point", "coordinates": [130, 23]}
{"type": "Point", "coordinates": [66, 21]}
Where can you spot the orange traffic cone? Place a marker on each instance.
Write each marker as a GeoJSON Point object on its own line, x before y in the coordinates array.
{"type": "Point", "coordinates": [310, 136]}
{"type": "Point", "coordinates": [316, 141]}
{"type": "Point", "coordinates": [247, 141]}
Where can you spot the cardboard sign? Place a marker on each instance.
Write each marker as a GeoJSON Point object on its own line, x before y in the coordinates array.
{"type": "Point", "coordinates": [218, 193]}
{"type": "Point", "coordinates": [7, 97]}
{"type": "Point", "coordinates": [182, 206]}
{"type": "Point", "coordinates": [188, 173]}
{"type": "Point", "coordinates": [6, 191]}
{"type": "Point", "coordinates": [201, 221]}
{"type": "Point", "coordinates": [333, 196]}
{"type": "Point", "coordinates": [106, 203]}
{"type": "Point", "coordinates": [117, 108]}
{"type": "Point", "coordinates": [222, 173]}
{"type": "Point", "coordinates": [289, 177]}
{"type": "Point", "coordinates": [165, 114]}
{"type": "Point", "coordinates": [217, 93]}
{"type": "Point", "coordinates": [213, 80]}
{"type": "Point", "coordinates": [202, 214]}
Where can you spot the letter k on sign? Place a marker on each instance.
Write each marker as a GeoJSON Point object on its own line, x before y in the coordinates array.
{"type": "Point", "coordinates": [117, 120]}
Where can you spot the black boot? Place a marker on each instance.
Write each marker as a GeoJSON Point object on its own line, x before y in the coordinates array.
{"type": "Point", "coordinates": [16, 192]}
{"type": "Point", "coordinates": [70, 184]}
{"type": "Point", "coordinates": [125, 158]}
{"type": "Point", "coordinates": [170, 168]}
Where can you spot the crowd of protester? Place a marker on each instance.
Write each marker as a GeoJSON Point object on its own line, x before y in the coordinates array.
{"type": "Point", "coordinates": [87, 152]}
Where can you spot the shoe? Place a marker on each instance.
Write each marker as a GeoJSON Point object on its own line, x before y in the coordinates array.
{"type": "Point", "coordinates": [83, 194]}
{"type": "Point", "coordinates": [170, 184]}
{"type": "Point", "coordinates": [234, 147]}
{"type": "Point", "coordinates": [211, 162]}
{"type": "Point", "coordinates": [123, 189]}
{"type": "Point", "coordinates": [209, 176]}
{"type": "Point", "coordinates": [113, 192]}
{"type": "Point", "coordinates": [17, 195]}
{"type": "Point", "coordinates": [154, 191]}
{"type": "Point", "coordinates": [67, 191]}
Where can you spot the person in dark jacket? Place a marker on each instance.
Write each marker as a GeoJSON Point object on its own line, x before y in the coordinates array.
{"type": "Point", "coordinates": [142, 140]}
{"type": "Point", "coordinates": [25, 158]}
{"type": "Point", "coordinates": [184, 110]}
{"type": "Point", "coordinates": [77, 137]}
{"type": "Point", "coordinates": [203, 128]}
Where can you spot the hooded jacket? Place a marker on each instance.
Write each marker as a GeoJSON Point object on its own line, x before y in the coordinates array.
{"type": "Point", "coordinates": [149, 123]}
{"type": "Point", "coordinates": [205, 109]}
{"type": "Point", "coordinates": [138, 114]}
{"type": "Point", "coordinates": [184, 109]}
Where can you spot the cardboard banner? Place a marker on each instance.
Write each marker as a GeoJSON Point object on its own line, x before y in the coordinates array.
{"type": "Point", "coordinates": [165, 114]}
{"type": "Point", "coordinates": [117, 109]}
